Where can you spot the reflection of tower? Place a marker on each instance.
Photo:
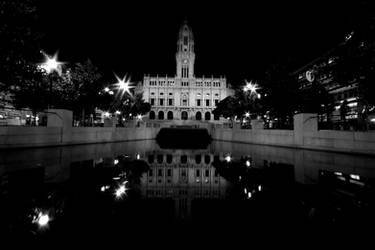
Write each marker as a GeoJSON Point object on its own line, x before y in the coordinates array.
{"type": "Point", "coordinates": [185, 55]}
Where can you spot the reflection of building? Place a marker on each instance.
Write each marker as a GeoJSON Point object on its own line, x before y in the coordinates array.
{"type": "Point", "coordinates": [184, 97]}
{"type": "Point", "coordinates": [183, 178]}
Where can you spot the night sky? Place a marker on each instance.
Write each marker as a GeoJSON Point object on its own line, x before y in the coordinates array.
{"type": "Point", "coordinates": [235, 40]}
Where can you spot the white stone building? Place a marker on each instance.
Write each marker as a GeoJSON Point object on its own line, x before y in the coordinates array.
{"type": "Point", "coordinates": [184, 96]}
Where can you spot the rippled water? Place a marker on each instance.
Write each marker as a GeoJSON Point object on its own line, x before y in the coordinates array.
{"type": "Point", "coordinates": [137, 189]}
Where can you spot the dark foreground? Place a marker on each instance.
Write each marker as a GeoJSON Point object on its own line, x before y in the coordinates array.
{"type": "Point", "coordinates": [140, 193]}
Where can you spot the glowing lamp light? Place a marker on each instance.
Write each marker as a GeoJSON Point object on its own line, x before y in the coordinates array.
{"type": "Point", "coordinates": [250, 86]}
{"type": "Point", "coordinates": [372, 120]}
{"type": "Point", "coordinates": [106, 89]}
{"type": "Point", "coordinates": [259, 188]}
{"type": "Point", "coordinates": [115, 162]}
{"type": "Point", "coordinates": [249, 194]}
{"type": "Point", "coordinates": [228, 158]}
{"type": "Point", "coordinates": [247, 114]}
{"type": "Point", "coordinates": [355, 177]}
{"type": "Point", "coordinates": [41, 219]}
{"type": "Point", "coordinates": [138, 156]}
{"type": "Point", "coordinates": [51, 64]}
{"type": "Point", "coordinates": [120, 191]}
{"type": "Point", "coordinates": [123, 85]}
{"type": "Point", "coordinates": [106, 114]}
{"type": "Point", "coordinates": [118, 112]}
{"type": "Point", "coordinates": [139, 117]}
{"type": "Point", "coordinates": [248, 163]}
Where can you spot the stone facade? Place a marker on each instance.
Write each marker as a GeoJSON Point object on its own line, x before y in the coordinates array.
{"type": "Point", "coordinates": [184, 96]}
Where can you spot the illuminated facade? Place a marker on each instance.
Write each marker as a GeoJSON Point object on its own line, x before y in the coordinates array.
{"type": "Point", "coordinates": [184, 97]}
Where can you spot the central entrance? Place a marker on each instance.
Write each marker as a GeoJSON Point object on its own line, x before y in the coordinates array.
{"type": "Point", "coordinates": [184, 115]}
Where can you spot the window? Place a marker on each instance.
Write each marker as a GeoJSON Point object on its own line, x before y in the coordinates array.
{"type": "Point", "coordinates": [207, 173]}
{"type": "Point", "coordinates": [170, 102]}
{"type": "Point", "coordinates": [161, 115]}
{"type": "Point", "coordinates": [207, 103]}
{"type": "Point", "coordinates": [152, 115]}
{"type": "Point", "coordinates": [184, 102]}
{"type": "Point", "coordinates": [198, 159]}
{"type": "Point", "coordinates": [161, 102]}
{"type": "Point", "coordinates": [216, 102]}
{"type": "Point", "coordinates": [152, 100]}
{"type": "Point", "coordinates": [169, 172]}
{"type": "Point", "coordinates": [152, 93]}
{"type": "Point", "coordinates": [160, 172]}
{"type": "Point", "coordinates": [161, 93]}
{"type": "Point", "coordinates": [183, 159]}
{"type": "Point", "coordinates": [207, 116]}
{"type": "Point", "coordinates": [150, 173]}
{"type": "Point", "coordinates": [207, 159]}
{"type": "Point", "coordinates": [197, 173]}
{"type": "Point", "coordinates": [159, 158]}
{"type": "Point", "coordinates": [150, 159]}
{"type": "Point", "coordinates": [169, 159]}
{"type": "Point", "coordinates": [170, 93]}
{"type": "Point", "coordinates": [198, 116]}
{"type": "Point", "coordinates": [198, 102]}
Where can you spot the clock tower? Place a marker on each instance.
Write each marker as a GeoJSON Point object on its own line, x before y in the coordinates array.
{"type": "Point", "coordinates": [185, 55]}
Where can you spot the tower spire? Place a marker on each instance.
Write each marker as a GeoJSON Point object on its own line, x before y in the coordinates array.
{"type": "Point", "coordinates": [185, 55]}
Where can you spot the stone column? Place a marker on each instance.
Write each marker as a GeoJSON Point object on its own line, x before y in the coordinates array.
{"type": "Point", "coordinates": [304, 122]}
{"type": "Point", "coordinates": [257, 124]}
{"type": "Point", "coordinates": [63, 119]}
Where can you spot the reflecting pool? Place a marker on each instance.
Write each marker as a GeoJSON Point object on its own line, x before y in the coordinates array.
{"type": "Point", "coordinates": [140, 190]}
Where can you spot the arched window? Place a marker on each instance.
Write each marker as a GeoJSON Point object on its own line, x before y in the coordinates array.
{"type": "Point", "coordinates": [207, 159]}
{"type": "Point", "coordinates": [207, 116]}
{"type": "Point", "coordinates": [170, 115]}
{"type": "Point", "coordinates": [150, 159]}
{"type": "Point", "coordinates": [152, 115]}
{"type": "Point", "coordinates": [183, 159]}
{"type": "Point", "coordinates": [184, 115]}
{"type": "Point", "coordinates": [161, 115]}
{"type": "Point", "coordinates": [198, 116]}
{"type": "Point", "coordinates": [169, 159]}
{"type": "Point", "coordinates": [198, 159]}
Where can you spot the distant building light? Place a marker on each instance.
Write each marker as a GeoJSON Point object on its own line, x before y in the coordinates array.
{"type": "Point", "coordinates": [338, 173]}
{"type": "Point", "coordinates": [372, 120]}
{"type": "Point", "coordinates": [353, 104]}
{"type": "Point", "coordinates": [355, 176]}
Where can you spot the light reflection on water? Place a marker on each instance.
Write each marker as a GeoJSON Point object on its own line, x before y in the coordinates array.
{"type": "Point", "coordinates": [47, 191]}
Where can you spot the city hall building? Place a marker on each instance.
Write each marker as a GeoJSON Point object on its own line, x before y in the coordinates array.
{"type": "Point", "coordinates": [184, 97]}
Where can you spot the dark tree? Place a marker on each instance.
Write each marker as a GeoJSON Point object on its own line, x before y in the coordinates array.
{"type": "Point", "coordinates": [19, 50]}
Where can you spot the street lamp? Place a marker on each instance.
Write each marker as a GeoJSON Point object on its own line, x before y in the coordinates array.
{"type": "Point", "coordinates": [50, 65]}
{"type": "Point", "coordinates": [252, 87]}
{"type": "Point", "coordinates": [123, 85]}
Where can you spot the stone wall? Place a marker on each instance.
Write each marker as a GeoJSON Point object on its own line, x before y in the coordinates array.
{"type": "Point", "coordinates": [305, 135]}
{"type": "Point", "coordinates": [59, 131]}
